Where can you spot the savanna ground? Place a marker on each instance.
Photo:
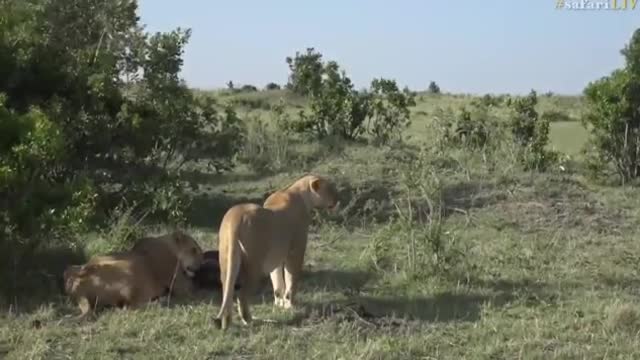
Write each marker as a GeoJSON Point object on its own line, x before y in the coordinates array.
{"type": "Point", "coordinates": [536, 265]}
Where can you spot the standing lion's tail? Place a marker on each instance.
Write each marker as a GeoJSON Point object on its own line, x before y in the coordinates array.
{"type": "Point", "coordinates": [230, 231]}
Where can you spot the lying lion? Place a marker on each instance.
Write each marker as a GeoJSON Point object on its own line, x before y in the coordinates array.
{"type": "Point", "coordinates": [271, 239]}
{"type": "Point", "coordinates": [153, 267]}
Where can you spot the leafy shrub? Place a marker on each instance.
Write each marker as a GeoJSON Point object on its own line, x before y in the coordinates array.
{"type": "Point", "coordinates": [433, 88]}
{"type": "Point", "coordinates": [248, 88]}
{"type": "Point", "coordinates": [472, 127]}
{"type": "Point", "coordinates": [531, 133]}
{"type": "Point", "coordinates": [489, 100]}
{"type": "Point", "coordinates": [306, 70]}
{"type": "Point", "coordinates": [390, 112]}
{"type": "Point", "coordinates": [272, 86]}
{"type": "Point", "coordinates": [94, 112]}
{"type": "Point", "coordinates": [614, 116]}
{"type": "Point", "coordinates": [338, 110]}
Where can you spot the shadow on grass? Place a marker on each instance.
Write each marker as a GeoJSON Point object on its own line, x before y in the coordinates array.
{"type": "Point", "coordinates": [462, 306]}
{"type": "Point", "coordinates": [38, 280]}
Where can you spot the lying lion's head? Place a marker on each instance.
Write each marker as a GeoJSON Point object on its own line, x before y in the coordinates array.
{"type": "Point", "coordinates": [69, 276]}
{"type": "Point", "coordinates": [323, 192]}
{"type": "Point", "coordinates": [188, 251]}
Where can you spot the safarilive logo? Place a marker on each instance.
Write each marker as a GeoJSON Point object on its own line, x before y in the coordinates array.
{"type": "Point", "coordinates": [596, 4]}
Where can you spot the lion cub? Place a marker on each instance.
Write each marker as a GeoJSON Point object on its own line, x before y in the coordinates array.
{"type": "Point", "coordinates": [133, 278]}
{"type": "Point", "coordinates": [271, 239]}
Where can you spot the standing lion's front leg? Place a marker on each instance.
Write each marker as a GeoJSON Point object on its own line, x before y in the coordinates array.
{"type": "Point", "coordinates": [293, 270]}
{"type": "Point", "coordinates": [278, 283]}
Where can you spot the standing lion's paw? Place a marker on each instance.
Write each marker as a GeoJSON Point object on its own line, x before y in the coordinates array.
{"type": "Point", "coordinates": [287, 304]}
{"type": "Point", "coordinates": [278, 302]}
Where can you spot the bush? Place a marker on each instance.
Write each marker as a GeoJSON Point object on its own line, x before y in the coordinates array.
{"type": "Point", "coordinates": [94, 112]}
{"type": "Point", "coordinates": [305, 72]}
{"type": "Point", "coordinates": [614, 116]}
{"type": "Point", "coordinates": [489, 100]}
{"type": "Point", "coordinates": [248, 88]}
{"type": "Point", "coordinates": [390, 112]}
{"type": "Point", "coordinates": [472, 127]}
{"type": "Point", "coordinates": [272, 86]}
{"type": "Point", "coordinates": [531, 133]}
{"type": "Point", "coordinates": [338, 110]}
{"type": "Point", "coordinates": [433, 88]}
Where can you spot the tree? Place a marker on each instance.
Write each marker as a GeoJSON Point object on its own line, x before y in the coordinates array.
{"type": "Point", "coordinates": [305, 72]}
{"type": "Point", "coordinates": [614, 116]}
{"type": "Point", "coordinates": [337, 109]}
{"type": "Point", "coordinates": [248, 88]}
{"type": "Point", "coordinates": [434, 88]}
{"type": "Point", "coordinates": [272, 86]}
{"type": "Point", "coordinates": [531, 132]}
{"type": "Point", "coordinates": [93, 113]}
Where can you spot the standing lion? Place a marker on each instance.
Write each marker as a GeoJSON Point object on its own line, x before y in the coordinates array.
{"type": "Point", "coordinates": [271, 239]}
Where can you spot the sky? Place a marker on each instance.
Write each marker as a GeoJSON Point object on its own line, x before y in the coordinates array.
{"type": "Point", "coordinates": [466, 46]}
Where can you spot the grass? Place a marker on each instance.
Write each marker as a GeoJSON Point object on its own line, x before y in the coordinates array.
{"type": "Point", "coordinates": [568, 137]}
{"type": "Point", "coordinates": [545, 267]}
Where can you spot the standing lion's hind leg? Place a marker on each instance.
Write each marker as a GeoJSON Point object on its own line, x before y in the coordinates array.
{"type": "Point", "coordinates": [228, 275]}
{"type": "Point", "coordinates": [243, 306]}
{"type": "Point", "coordinates": [250, 285]}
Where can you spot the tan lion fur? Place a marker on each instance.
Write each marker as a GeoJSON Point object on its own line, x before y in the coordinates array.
{"type": "Point", "coordinates": [135, 277]}
{"type": "Point", "coordinates": [270, 239]}
{"type": "Point", "coordinates": [174, 258]}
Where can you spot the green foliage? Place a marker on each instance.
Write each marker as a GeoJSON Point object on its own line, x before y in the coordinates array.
{"type": "Point", "coordinates": [338, 110]}
{"type": "Point", "coordinates": [433, 88]}
{"type": "Point", "coordinates": [555, 116]}
{"type": "Point", "coordinates": [248, 88]}
{"type": "Point", "coordinates": [489, 100]}
{"type": "Point", "coordinates": [390, 112]}
{"type": "Point", "coordinates": [94, 112]}
{"type": "Point", "coordinates": [306, 71]}
{"type": "Point", "coordinates": [472, 127]}
{"type": "Point", "coordinates": [272, 86]}
{"type": "Point", "coordinates": [614, 116]}
{"type": "Point", "coordinates": [531, 133]}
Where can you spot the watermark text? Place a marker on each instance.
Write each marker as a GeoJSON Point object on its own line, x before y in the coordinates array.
{"type": "Point", "coordinates": [619, 5]}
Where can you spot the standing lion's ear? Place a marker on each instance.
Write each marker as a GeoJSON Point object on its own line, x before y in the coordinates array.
{"type": "Point", "coordinates": [315, 185]}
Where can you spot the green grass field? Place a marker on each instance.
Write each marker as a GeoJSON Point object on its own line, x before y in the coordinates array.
{"type": "Point", "coordinates": [540, 266]}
